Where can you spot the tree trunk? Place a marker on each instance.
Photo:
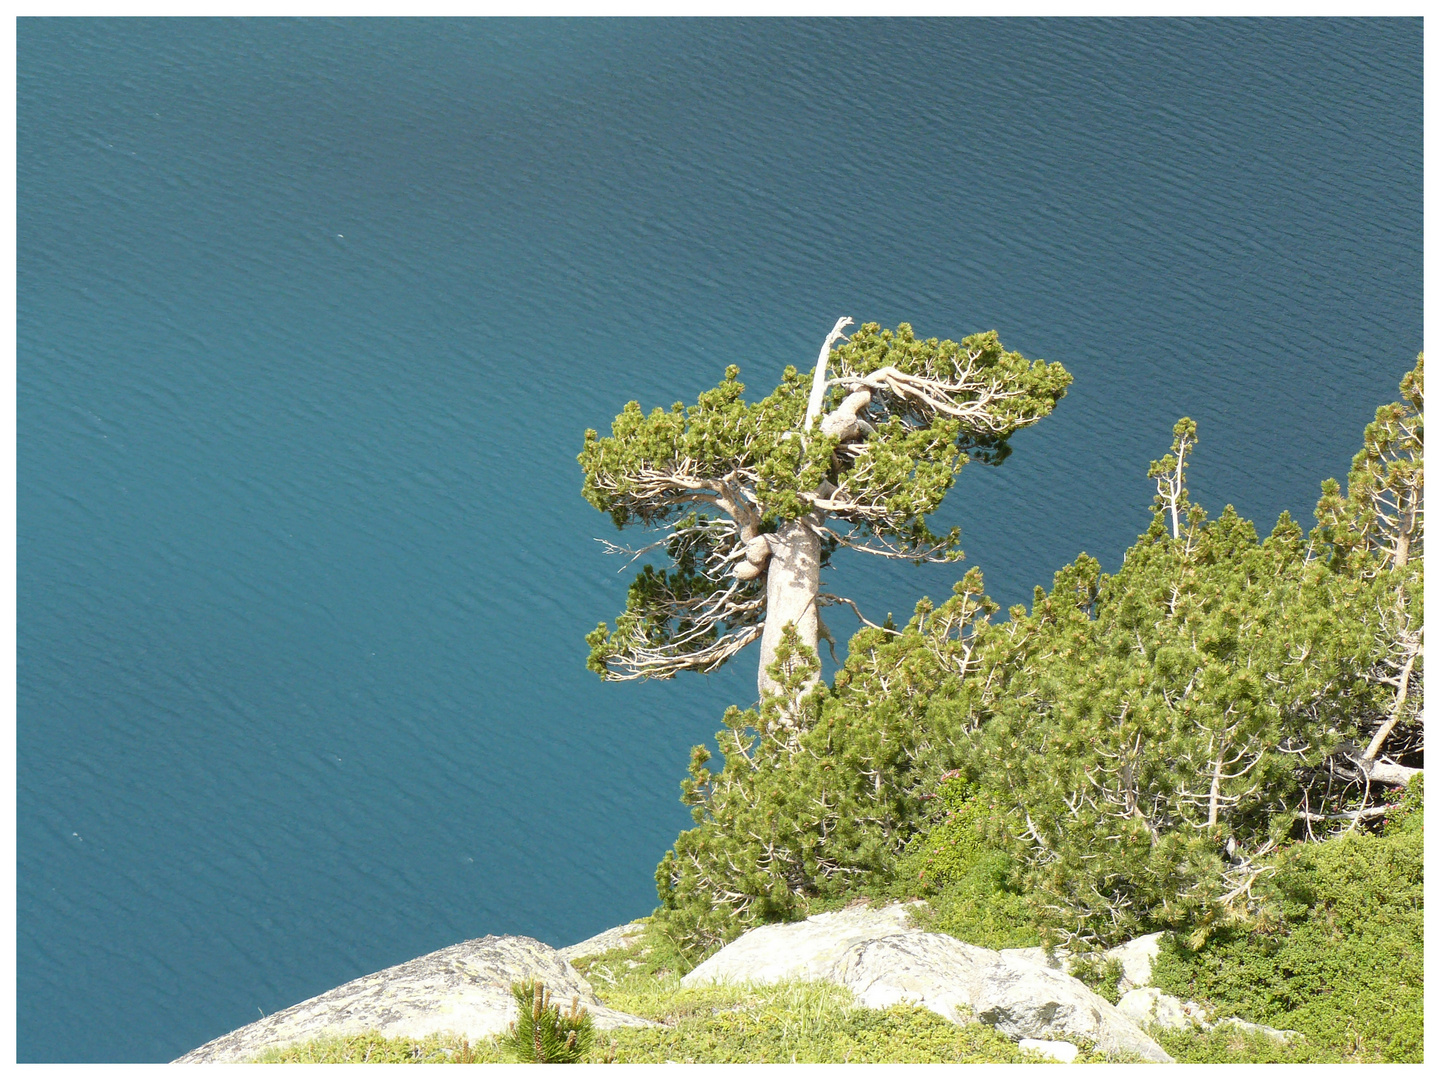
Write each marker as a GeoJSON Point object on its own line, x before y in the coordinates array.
{"type": "Point", "coordinates": [792, 588]}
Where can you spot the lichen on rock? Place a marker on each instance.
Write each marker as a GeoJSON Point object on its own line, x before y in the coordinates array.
{"type": "Point", "coordinates": [463, 989]}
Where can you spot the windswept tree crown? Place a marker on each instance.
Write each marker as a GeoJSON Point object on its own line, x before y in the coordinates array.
{"type": "Point", "coordinates": [856, 453]}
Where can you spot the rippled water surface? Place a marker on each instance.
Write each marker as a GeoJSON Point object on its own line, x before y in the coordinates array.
{"type": "Point", "coordinates": [312, 317]}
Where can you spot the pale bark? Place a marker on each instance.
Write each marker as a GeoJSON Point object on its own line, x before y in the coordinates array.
{"type": "Point", "coordinates": [1215, 789]}
{"type": "Point", "coordinates": [1385, 772]}
{"type": "Point", "coordinates": [816, 400]}
{"type": "Point", "coordinates": [792, 574]}
{"type": "Point", "coordinates": [1370, 813]}
{"type": "Point", "coordinates": [792, 590]}
{"type": "Point", "coordinates": [1403, 686]}
{"type": "Point", "coordinates": [1379, 772]}
{"type": "Point", "coordinates": [1402, 543]}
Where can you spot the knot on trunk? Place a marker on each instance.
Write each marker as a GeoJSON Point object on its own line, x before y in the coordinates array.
{"type": "Point", "coordinates": [845, 423]}
{"type": "Point", "coordinates": [757, 556]}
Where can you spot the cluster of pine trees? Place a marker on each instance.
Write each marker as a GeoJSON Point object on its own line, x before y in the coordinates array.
{"type": "Point", "coordinates": [1136, 749]}
{"type": "Point", "coordinates": [1196, 742]}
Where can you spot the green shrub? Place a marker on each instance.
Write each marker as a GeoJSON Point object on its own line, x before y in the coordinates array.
{"type": "Point", "coordinates": [1101, 975]}
{"type": "Point", "coordinates": [1144, 743]}
{"type": "Point", "coordinates": [1230, 1045]}
{"type": "Point", "coordinates": [807, 813]}
{"type": "Point", "coordinates": [1144, 729]}
{"type": "Point", "coordinates": [968, 883]}
{"type": "Point", "coordinates": [1342, 960]}
{"type": "Point", "coordinates": [543, 1033]}
{"type": "Point", "coordinates": [1151, 735]}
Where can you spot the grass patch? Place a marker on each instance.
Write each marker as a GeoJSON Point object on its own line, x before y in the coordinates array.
{"type": "Point", "coordinates": [371, 1049]}
{"type": "Point", "coordinates": [786, 1022]}
{"type": "Point", "coordinates": [810, 1022]}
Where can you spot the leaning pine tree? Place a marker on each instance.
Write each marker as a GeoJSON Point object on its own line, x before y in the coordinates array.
{"type": "Point", "coordinates": [753, 499]}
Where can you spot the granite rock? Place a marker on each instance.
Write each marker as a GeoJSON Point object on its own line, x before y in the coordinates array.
{"type": "Point", "coordinates": [1055, 1051]}
{"type": "Point", "coordinates": [1147, 1005]}
{"type": "Point", "coordinates": [462, 990]}
{"type": "Point", "coordinates": [617, 937]}
{"type": "Point", "coordinates": [1135, 958]}
{"type": "Point", "coordinates": [1059, 960]}
{"type": "Point", "coordinates": [882, 960]}
{"type": "Point", "coordinates": [799, 950]}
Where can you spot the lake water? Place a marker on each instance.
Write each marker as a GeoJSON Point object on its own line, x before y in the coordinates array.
{"type": "Point", "coordinates": [312, 316]}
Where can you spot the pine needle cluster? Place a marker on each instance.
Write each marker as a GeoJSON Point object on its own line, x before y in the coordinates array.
{"type": "Point", "coordinates": [543, 1033]}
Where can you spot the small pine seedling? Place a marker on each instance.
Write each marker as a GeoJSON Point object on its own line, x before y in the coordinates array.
{"type": "Point", "coordinates": [544, 1035]}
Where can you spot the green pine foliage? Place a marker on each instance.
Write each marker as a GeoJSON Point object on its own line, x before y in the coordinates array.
{"type": "Point", "coordinates": [820, 793]}
{"type": "Point", "coordinates": [749, 860]}
{"type": "Point", "coordinates": [545, 1034]}
{"type": "Point", "coordinates": [1131, 753]}
{"type": "Point", "coordinates": [1380, 519]}
{"type": "Point", "coordinates": [1156, 735]}
{"type": "Point", "coordinates": [1156, 717]}
{"type": "Point", "coordinates": [718, 474]}
{"type": "Point", "coordinates": [1343, 962]}
{"type": "Point", "coordinates": [1145, 731]}
{"type": "Point", "coordinates": [911, 466]}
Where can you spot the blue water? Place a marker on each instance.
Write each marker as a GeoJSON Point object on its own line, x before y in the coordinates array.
{"type": "Point", "coordinates": [312, 315]}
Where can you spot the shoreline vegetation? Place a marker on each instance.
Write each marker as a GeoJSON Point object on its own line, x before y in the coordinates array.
{"type": "Point", "coordinates": [1220, 743]}
{"type": "Point", "coordinates": [1344, 979]}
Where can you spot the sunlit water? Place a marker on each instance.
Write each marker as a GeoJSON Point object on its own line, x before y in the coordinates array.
{"type": "Point", "coordinates": [312, 317]}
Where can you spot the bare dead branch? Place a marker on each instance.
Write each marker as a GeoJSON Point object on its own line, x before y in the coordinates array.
{"type": "Point", "coordinates": [829, 599]}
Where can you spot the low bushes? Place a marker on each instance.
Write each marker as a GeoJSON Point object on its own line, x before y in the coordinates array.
{"type": "Point", "coordinates": [1340, 955]}
{"type": "Point", "coordinates": [970, 885]}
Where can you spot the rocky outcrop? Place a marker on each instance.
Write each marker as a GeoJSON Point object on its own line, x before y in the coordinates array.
{"type": "Point", "coordinates": [617, 937]}
{"type": "Point", "coordinates": [882, 960]}
{"type": "Point", "coordinates": [875, 952]}
{"type": "Point", "coordinates": [464, 990]}
{"type": "Point", "coordinates": [1059, 960]}
{"type": "Point", "coordinates": [1055, 1051]}
{"type": "Point", "coordinates": [1148, 1006]}
{"type": "Point", "coordinates": [1134, 958]}
{"type": "Point", "coordinates": [810, 950]}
